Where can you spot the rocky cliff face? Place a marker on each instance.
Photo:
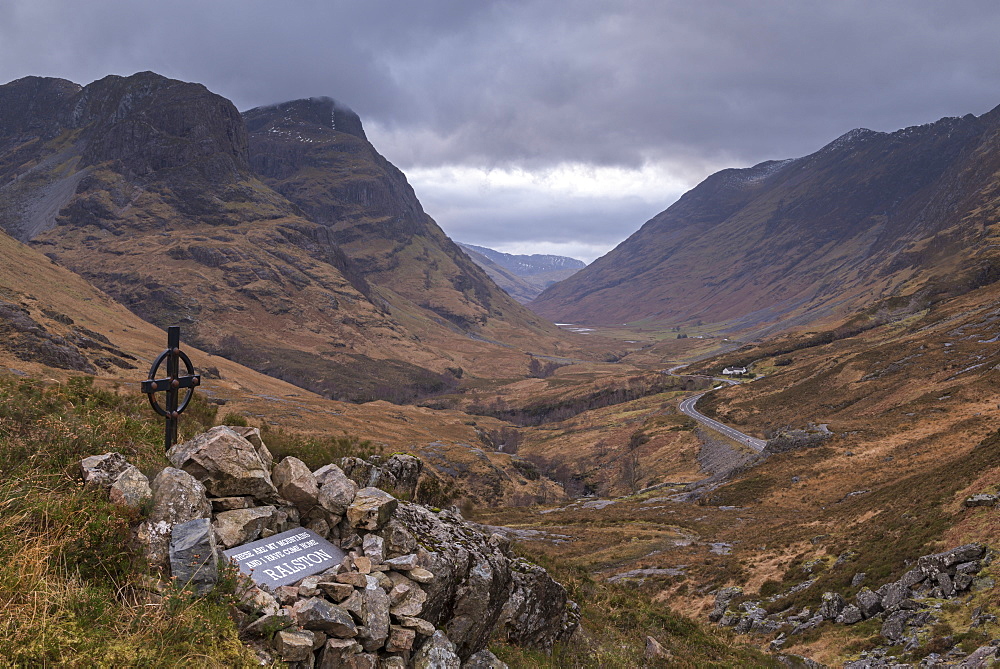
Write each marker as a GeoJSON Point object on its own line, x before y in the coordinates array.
{"type": "Point", "coordinates": [284, 242]}
{"type": "Point", "coordinates": [870, 215]}
{"type": "Point", "coordinates": [315, 153]}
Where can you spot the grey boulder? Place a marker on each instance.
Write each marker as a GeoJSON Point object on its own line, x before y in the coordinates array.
{"type": "Point", "coordinates": [193, 557]}
{"type": "Point", "coordinates": [226, 463]}
{"type": "Point", "coordinates": [176, 498]}
{"type": "Point", "coordinates": [131, 488]}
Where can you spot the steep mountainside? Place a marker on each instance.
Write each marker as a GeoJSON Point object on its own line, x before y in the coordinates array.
{"type": "Point", "coordinates": [54, 325]}
{"type": "Point", "coordinates": [870, 215]}
{"type": "Point", "coordinates": [524, 277]}
{"type": "Point", "coordinates": [339, 282]}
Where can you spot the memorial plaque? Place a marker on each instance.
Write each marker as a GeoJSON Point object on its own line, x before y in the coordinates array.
{"type": "Point", "coordinates": [285, 558]}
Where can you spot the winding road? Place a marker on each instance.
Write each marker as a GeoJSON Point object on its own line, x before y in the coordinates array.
{"type": "Point", "coordinates": [687, 408]}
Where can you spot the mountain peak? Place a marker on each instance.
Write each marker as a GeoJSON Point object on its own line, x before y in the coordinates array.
{"type": "Point", "coordinates": [806, 239]}
{"type": "Point", "coordinates": [324, 112]}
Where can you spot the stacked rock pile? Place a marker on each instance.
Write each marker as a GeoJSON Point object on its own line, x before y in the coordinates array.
{"type": "Point", "coordinates": [418, 587]}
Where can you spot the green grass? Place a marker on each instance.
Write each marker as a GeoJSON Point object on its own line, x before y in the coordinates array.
{"type": "Point", "coordinates": [70, 585]}
{"type": "Point", "coordinates": [317, 450]}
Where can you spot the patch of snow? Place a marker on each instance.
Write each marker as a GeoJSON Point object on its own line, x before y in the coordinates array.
{"type": "Point", "coordinates": [598, 503]}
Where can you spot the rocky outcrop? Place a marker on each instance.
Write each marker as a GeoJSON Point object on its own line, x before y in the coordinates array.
{"type": "Point", "coordinates": [788, 438]}
{"type": "Point", "coordinates": [398, 474]}
{"type": "Point", "coordinates": [28, 340]}
{"type": "Point", "coordinates": [418, 587]}
{"type": "Point", "coordinates": [981, 499]}
{"type": "Point", "coordinates": [904, 606]}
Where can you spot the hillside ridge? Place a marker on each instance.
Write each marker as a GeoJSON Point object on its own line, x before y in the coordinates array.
{"type": "Point", "coordinates": [868, 216]}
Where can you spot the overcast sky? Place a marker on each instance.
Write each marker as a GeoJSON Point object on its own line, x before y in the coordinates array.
{"type": "Point", "coordinates": [544, 125]}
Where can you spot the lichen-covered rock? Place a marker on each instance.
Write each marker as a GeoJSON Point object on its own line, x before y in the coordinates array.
{"type": "Point", "coordinates": [371, 509]}
{"type": "Point", "coordinates": [892, 595]}
{"type": "Point", "coordinates": [176, 498]}
{"type": "Point", "coordinates": [484, 659]}
{"type": "Point", "coordinates": [911, 578]}
{"type": "Point", "coordinates": [868, 602]}
{"type": "Point", "coordinates": [293, 645]}
{"type": "Point", "coordinates": [478, 587]}
{"type": "Point", "coordinates": [362, 472]}
{"type": "Point", "coordinates": [894, 626]}
{"type": "Point", "coordinates": [437, 653]}
{"type": "Point", "coordinates": [982, 499]}
{"type": "Point", "coordinates": [241, 526]}
{"type": "Point", "coordinates": [131, 488]}
{"type": "Point", "coordinates": [405, 469]}
{"type": "Point", "coordinates": [397, 539]}
{"type": "Point", "coordinates": [318, 614]}
{"type": "Point", "coordinates": [809, 624]}
{"type": "Point", "coordinates": [193, 557]}
{"type": "Point", "coordinates": [933, 564]}
{"type": "Point", "coordinates": [336, 491]}
{"type": "Point", "coordinates": [832, 605]}
{"type": "Point", "coordinates": [722, 599]}
{"type": "Point", "coordinates": [850, 615]}
{"type": "Point", "coordinates": [102, 470]}
{"type": "Point", "coordinates": [398, 474]}
{"type": "Point", "coordinates": [296, 483]}
{"type": "Point", "coordinates": [945, 584]}
{"type": "Point", "coordinates": [336, 653]}
{"type": "Point", "coordinates": [374, 547]}
{"type": "Point", "coordinates": [374, 617]}
{"type": "Point", "coordinates": [226, 463]}
{"type": "Point", "coordinates": [539, 611]}
{"type": "Point", "coordinates": [252, 434]}
{"type": "Point", "coordinates": [400, 639]}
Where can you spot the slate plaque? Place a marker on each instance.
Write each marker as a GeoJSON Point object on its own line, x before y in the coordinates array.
{"type": "Point", "coordinates": [285, 558]}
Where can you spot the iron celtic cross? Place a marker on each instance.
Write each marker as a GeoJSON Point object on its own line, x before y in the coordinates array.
{"type": "Point", "coordinates": [172, 384]}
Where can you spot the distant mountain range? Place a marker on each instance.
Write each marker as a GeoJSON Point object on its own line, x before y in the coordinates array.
{"type": "Point", "coordinates": [279, 237]}
{"type": "Point", "coordinates": [912, 215]}
{"type": "Point", "coordinates": [524, 277]}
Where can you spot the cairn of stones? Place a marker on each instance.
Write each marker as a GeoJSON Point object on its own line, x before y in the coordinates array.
{"type": "Point", "coordinates": [418, 587]}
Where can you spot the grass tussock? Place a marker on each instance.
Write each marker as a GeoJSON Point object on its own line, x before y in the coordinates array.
{"type": "Point", "coordinates": [70, 585]}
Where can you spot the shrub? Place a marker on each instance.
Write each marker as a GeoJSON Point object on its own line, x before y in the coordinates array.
{"type": "Point", "coordinates": [235, 420]}
{"type": "Point", "coordinates": [316, 450]}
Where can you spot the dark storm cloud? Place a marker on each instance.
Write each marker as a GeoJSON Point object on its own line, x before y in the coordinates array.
{"type": "Point", "coordinates": [535, 84]}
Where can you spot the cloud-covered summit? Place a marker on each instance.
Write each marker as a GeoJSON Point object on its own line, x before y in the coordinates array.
{"type": "Point", "coordinates": [532, 87]}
